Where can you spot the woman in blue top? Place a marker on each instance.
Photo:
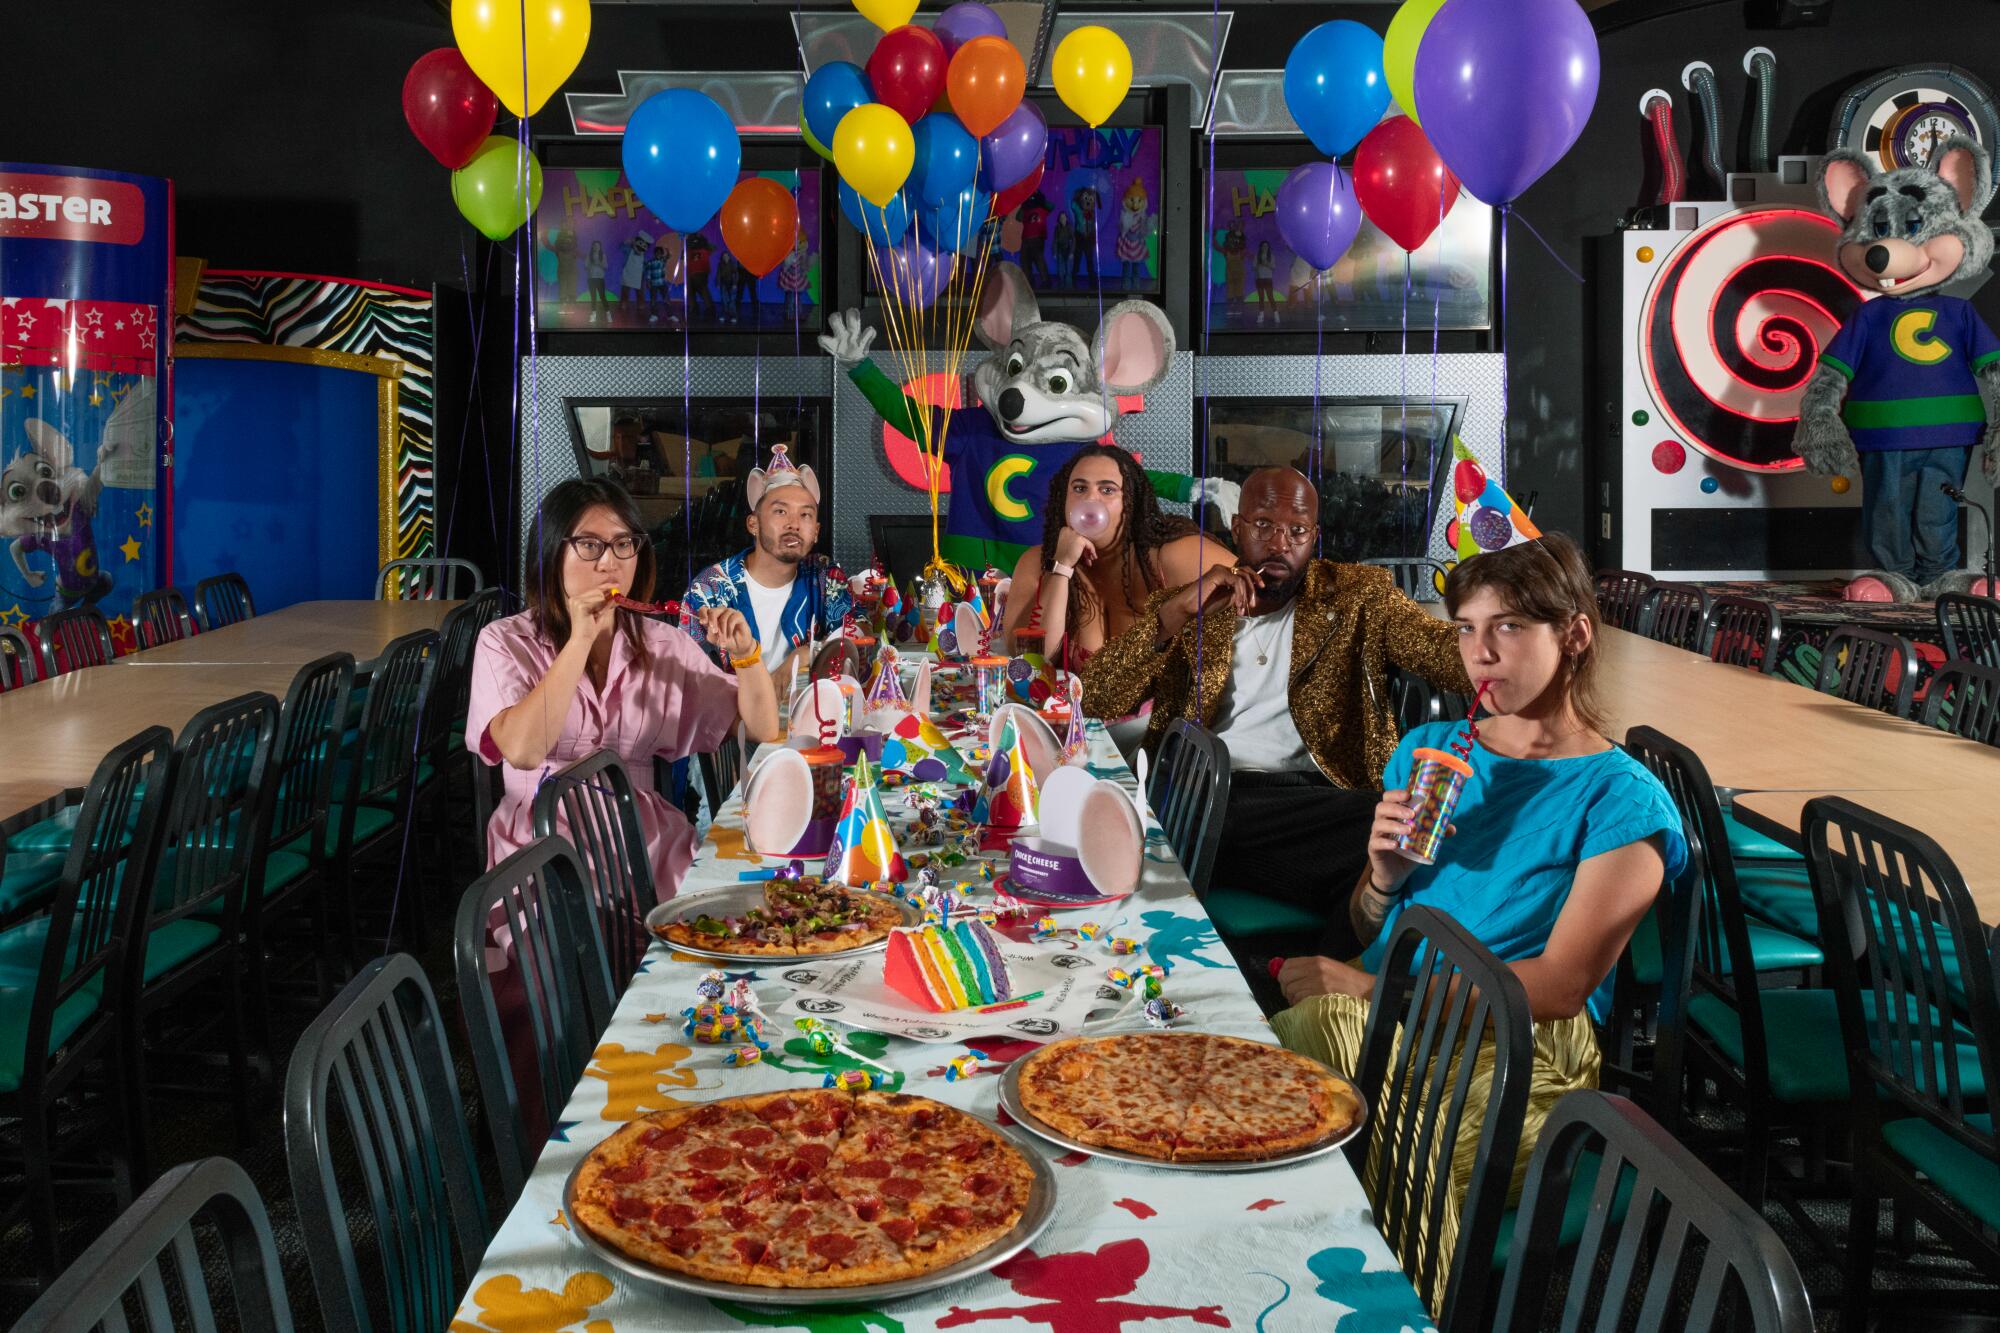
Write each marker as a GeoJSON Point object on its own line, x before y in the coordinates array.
{"type": "Point", "coordinates": [1560, 844]}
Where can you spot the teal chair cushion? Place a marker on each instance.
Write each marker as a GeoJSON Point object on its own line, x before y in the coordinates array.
{"type": "Point", "coordinates": [369, 820]}
{"type": "Point", "coordinates": [1747, 844]}
{"type": "Point", "coordinates": [1781, 895]}
{"type": "Point", "coordinates": [1239, 912]}
{"type": "Point", "coordinates": [1968, 1178]}
{"type": "Point", "coordinates": [26, 878]}
{"type": "Point", "coordinates": [171, 945]}
{"type": "Point", "coordinates": [53, 834]}
{"type": "Point", "coordinates": [1647, 965]}
{"type": "Point", "coordinates": [1576, 1208]}
{"type": "Point", "coordinates": [1773, 950]}
{"type": "Point", "coordinates": [16, 1001]}
{"type": "Point", "coordinates": [1807, 1058]}
{"type": "Point", "coordinates": [280, 870]}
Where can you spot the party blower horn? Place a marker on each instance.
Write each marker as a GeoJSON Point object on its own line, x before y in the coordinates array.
{"type": "Point", "coordinates": [1012, 796]}
{"type": "Point", "coordinates": [864, 849]}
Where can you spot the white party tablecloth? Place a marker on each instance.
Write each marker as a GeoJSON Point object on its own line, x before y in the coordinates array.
{"type": "Point", "coordinates": [1130, 1248]}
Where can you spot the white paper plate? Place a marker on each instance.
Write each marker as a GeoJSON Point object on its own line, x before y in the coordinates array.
{"type": "Point", "coordinates": [777, 804]}
{"type": "Point", "coordinates": [1062, 805]}
{"type": "Point", "coordinates": [1111, 839]}
{"type": "Point", "coordinates": [804, 721]}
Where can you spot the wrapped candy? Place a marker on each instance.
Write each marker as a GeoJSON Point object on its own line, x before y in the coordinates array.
{"type": "Point", "coordinates": [1161, 1012]}
{"type": "Point", "coordinates": [742, 999]}
{"type": "Point", "coordinates": [1120, 978]}
{"type": "Point", "coordinates": [819, 1038]}
{"type": "Point", "coordinates": [1152, 970]}
{"type": "Point", "coordinates": [1121, 947]}
{"type": "Point", "coordinates": [852, 1080]}
{"type": "Point", "coordinates": [1089, 930]}
{"type": "Point", "coordinates": [964, 1066]}
{"type": "Point", "coordinates": [743, 1055]}
{"type": "Point", "coordinates": [713, 1024]}
{"type": "Point", "coordinates": [710, 985]}
{"type": "Point", "coordinates": [1046, 928]}
{"type": "Point", "coordinates": [1151, 988]}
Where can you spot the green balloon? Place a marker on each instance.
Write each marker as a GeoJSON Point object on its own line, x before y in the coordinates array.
{"type": "Point", "coordinates": [1399, 51]}
{"type": "Point", "coordinates": [487, 189]}
{"type": "Point", "coordinates": [812, 142]}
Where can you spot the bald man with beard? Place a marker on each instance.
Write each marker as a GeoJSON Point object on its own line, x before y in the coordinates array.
{"type": "Point", "coordinates": [1285, 657]}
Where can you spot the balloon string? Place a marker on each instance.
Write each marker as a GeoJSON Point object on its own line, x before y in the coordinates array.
{"type": "Point", "coordinates": [1504, 212]}
{"type": "Point", "coordinates": [1403, 423]}
{"type": "Point", "coordinates": [1437, 278]}
{"type": "Point", "coordinates": [687, 402]}
{"type": "Point", "coordinates": [1319, 422]}
{"type": "Point", "coordinates": [756, 370]}
{"type": "Point", "coordinates": [1505, 351]}
{"type": "Point", "coordinates": [1207, 312]}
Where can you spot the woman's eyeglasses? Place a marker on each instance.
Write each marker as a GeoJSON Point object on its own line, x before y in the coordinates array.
{"type": "Point", "coordinates": [593, 548]}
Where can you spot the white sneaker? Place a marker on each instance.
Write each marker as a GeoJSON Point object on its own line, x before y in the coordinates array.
{"type": "Point", "coordinates": [653, 319]}
{"type": "Point", "coordinates": [593, 316]}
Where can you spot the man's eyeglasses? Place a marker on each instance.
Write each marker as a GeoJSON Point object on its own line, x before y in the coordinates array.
{"type": "Point", "coordinates": [593, 548]}
{"type": "Point", "coordinates": [1292, 533]}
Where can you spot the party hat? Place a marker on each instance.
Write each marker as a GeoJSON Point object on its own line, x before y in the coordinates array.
{"type": "Point", "coordinates": [1012, 794]}
{"type": "Point", "coordinates": [885, 690]}
{"type": "Point", "coordinates": [916, 747]}
{"type": "Point", "coordinates": [864, 848]}
{"type": "Point", "coordinates": [1488, 518]}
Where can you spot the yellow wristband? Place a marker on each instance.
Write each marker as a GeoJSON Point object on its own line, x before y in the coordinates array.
{"type": "Point", "coordinates": [756, 656]}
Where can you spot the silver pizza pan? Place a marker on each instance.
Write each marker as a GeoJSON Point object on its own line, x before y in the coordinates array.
{"type": "Point", "coordinates": [740, 898]}
{"type": "Point", "coordinates": [1010, 1101]}
{"type": "Point", "coordinates": [1035, 1216]}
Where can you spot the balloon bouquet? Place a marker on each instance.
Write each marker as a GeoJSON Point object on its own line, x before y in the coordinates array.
{"type": "Point", "coordinates": [934, 144]}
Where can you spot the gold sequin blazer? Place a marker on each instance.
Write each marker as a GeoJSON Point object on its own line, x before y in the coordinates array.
{"type": "Point", "coordinates": [1351, 625]}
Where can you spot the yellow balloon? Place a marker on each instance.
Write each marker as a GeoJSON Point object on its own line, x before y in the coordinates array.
{"type": "Point", "coordinates": [1399, 51]}
{"type": "Point", "coordinates": [874, 150]}
{"type": "Point", "coordinates": [489, 36]}
{"type": "Point", "coordinates": [1093, 72]}
{"type": "Point", "coordinates": [886, 14]}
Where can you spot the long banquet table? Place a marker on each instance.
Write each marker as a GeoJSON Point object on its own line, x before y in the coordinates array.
{"type": "Point", "coordinates": [1288, 1248]}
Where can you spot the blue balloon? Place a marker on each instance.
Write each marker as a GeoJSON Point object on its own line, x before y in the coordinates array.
{"type": "Point", "coordinates": [958, 224]}
{"type": "Point", "coordinates": [1494, 497]}
{"type": "Point", "coordinates": [682, 155]}
{"type": "Point", "coordinates": [885, 226]}
{"type": "Point", "coordinates": [1334, 84]}
{"type": "Point", "coordinates": [947, 158]}
{"type": "Point", "coordinates": [834, 89]}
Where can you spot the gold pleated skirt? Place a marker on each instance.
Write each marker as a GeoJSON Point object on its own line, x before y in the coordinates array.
{"type": "Point", "coordinates": [1329, 1028]}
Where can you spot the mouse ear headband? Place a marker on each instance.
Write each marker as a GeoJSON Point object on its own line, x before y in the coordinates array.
{"type": "Point", "coordinates": [763, 480]}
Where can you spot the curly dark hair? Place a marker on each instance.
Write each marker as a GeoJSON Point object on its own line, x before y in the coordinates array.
{"type": "Point", "coordinates": [1143, 527]}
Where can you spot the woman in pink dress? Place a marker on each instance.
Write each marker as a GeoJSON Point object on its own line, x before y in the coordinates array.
{"type": "Point", "coordinates": [574, 674]}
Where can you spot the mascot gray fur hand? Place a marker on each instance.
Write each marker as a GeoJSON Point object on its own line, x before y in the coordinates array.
{"type": "Point", "coordinates": [1905, 234]}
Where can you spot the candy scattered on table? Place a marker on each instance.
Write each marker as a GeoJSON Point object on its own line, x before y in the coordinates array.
{"type": "Point", "coordinates": [965, 1066]}
{"type": "Point", "coordinates": [710, 985]}
{"type": "Point", "coordinates": [743, 1055]}
{"type": "Point", "coordinates": [1122, 947]}
{"type": "Point", "coordinates": [1120, 978]}
{"type": "Point", "coordinates": [853, 1080]}
{"type": "Point", "coordinates": [1046, 928]}
{"type": "Point", "coordinates": [715, 1024]}
{"type": "Point", "coordinates": [1089, 930]}
{"type": "Point", "coordinates": [1161, 1012]}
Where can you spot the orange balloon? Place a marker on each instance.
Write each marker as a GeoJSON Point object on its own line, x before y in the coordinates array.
{"type": "Point", "coordinates": [760, 220]}
{"type": "Point", "coordinates": [984, 82]}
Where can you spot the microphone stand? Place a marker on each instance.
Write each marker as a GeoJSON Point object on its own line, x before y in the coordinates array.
{"type": "Point", "coordinates": [1963, 501]}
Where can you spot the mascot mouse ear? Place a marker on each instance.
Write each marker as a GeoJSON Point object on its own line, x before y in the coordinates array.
{"type": "Point", "coordinates": [1844, 175]}
{"type": "Point", "coordinates": [1006, 306]}
{"type": "Point", "coordinates": [1134, 347]}
{"type": "Point", "coordinates": [1964, 166]}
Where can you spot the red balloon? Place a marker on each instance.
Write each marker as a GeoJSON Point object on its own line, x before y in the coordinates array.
{"type": "Point", "coordinates": [1017, 194]}
{"type": "Point", "coordinates": [1468, 481]}
{"type": "Point", "coordinates": [907, 71]}
{"type": "Point", "coordinates": [1403, 185]}
{"type": "Point", "coordinates": [450, 111]}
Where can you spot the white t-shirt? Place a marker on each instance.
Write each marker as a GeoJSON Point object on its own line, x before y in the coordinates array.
{"type": "Point", "coordinates": [767, 606]}
{"type": "Point", "coordinates": [1255, 717]}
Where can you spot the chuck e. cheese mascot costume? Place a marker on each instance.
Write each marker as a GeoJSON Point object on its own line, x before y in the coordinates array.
{"type": "Point", "coordinates": [1911, 384]}
{"type": "Point", "coordinates": [1044, 393]}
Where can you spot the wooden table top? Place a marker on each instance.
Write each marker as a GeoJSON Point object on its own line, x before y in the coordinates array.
{"type": "Point", "coordinates": [300, 633]}
{"type": "Point", "coordinates": [1965, 822]}
{"type": "Point", "coordinates": [59, 730]}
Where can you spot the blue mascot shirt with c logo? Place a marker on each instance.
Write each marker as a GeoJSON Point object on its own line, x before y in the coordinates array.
{"type": "Point", "coordinates": [1912, 368]}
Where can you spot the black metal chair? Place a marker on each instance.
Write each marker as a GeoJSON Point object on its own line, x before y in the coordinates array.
{"type": "Point", "coordinates": [1870, 668]}
{"type": "Point", "coordinates": [1742, 631]}
{"type": "Point", "coordinates": [537, 893]}
{"type": "Point", "coordinates": [69, 1015]}
{"type": "Point", "coordinates": [1675, 613]}
{"type": "Point", "coordinates": [1907, 955]}
{"type": "Point", "coordinates": [591, 805]}
{"type": "Point", "coordinates": [1971, 627]}
{"type": "Point", "coordinates": [1965, 700]}
{"type": "Point", "coordinates": [73, 639]}
{"type": "Point", "coordinates": [149, 1259]}
{"type": "Point", "coordinates": [222, 600]}
{"type": "Point", "coordinates": [1683, 1252]}
{"type": "Point", "coordinates": [381, 1163]}
{"type": "Point", "coordinates": [374, 794]}
{"type": "Point", "coordinates": [428, 579]}
{"type": "Point", "coordinates": [1189, 792]}
{"type": "Point", "coordinates": [187, 934]}
{"type": "Point", "coordinates": [1443, 1006]}
{"type": "Point", "coordinates": [161, 616]}
{"type": "Point", "coordinates": [1621, 597]}
{"type": "Point", "coordinates": [1416, 577]}
{"type": "Point", "coordinates": [1767, 1049]}
{"type": "Point", "coordinates": [17, 660]}
{"type": "Point", "coordinates": [722, 770]}
{"type": "Point", "coordinates": [443, 732]}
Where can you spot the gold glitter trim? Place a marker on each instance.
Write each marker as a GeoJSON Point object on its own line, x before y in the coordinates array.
{"type": "Point", "coordinates": [388, 427]}
{"type": "Point", "coordinates": [303, 356]}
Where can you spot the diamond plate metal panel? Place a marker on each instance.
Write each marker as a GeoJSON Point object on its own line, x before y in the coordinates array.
{"type": "Point", "coordinates": [1252, 101]}
{"type": "Point", "coordinates": [758, 101]}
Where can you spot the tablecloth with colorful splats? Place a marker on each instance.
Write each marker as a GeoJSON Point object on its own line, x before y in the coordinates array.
{"type": "Point", "coordinates": [1130, 1248]}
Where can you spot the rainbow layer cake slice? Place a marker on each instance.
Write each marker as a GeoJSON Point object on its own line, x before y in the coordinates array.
{"type": "Point", "coordinates": [947, 967]}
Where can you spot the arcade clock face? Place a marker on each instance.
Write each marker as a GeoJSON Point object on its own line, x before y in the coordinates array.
{"type": "Point", "coordinates": [1900, 117]}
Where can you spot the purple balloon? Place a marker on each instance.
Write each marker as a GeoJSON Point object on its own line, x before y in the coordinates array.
{"type": "Point", "coordinates": [1504, 87]}
{"type": "Point", "coordinates": [1318, 214]}
{"type": "Point", "coordinates": [1014, 150]}
{"type": "Point", "coordinates": [917, 273]}
{"type": "Point", "coordinates": [965, 21]}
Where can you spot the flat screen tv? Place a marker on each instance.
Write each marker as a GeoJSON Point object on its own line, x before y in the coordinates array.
{"type": "Point", "coordinates": [605, 263]}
